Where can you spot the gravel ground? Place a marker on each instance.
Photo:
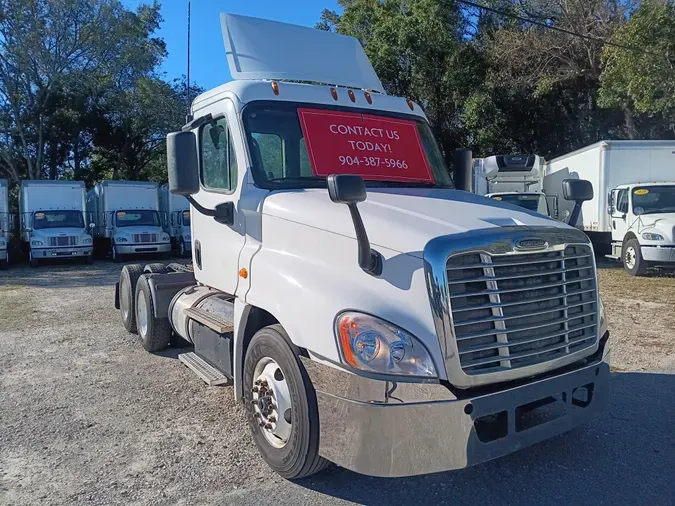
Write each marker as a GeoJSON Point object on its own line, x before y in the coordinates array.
{"type": "Point", "coordinates": [88, 417]}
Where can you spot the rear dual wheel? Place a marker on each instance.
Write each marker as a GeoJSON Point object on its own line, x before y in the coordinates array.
{"type": "Point", "coordinates": [282, 408]}
{"type": "Point", "coordinates": [155, 333]}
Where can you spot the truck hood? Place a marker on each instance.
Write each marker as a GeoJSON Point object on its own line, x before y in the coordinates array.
{"type": "Point", "coordinates": [663, 223]}
{"type": "Point", "coordinates": [56, 232]}
{"type": "Point", "coordinates": [405, 219]}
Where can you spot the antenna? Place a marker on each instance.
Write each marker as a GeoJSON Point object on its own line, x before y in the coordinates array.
{"type": "Point", "coordinates": [188, 59]}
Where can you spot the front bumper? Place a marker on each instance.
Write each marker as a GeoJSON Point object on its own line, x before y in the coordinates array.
{"type": "Point", "coordinates": [392, 429]}
{"type": "Point", "coordinates": [77, 251]}
{"type": "Point", "coordinates": [134, 249]}
{"type": "Point", "coordinates": [658, 254]}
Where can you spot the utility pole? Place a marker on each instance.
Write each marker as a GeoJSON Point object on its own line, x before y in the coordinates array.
{"type": "Point", "coordinates": [188, 59]}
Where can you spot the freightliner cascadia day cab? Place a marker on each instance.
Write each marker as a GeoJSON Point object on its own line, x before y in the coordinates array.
{"type": "Point", "coordinates": [632, 214]}
{"type": "Point", "coordinates": [365, 312]}
{"type": "Point", "coordinates": [6, 225]}
{"type": "Point", "coordinates": [176, 208]}
{"type": "Point", "coordinates": [127, 218]}
{"type": "Point", "coordinates": [54, 221]}
{"type": "Point", "coordinates": [514, 179]}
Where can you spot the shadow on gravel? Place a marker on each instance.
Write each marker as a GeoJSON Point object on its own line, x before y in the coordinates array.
{"type": "Point", "coordinates": [626, 456]}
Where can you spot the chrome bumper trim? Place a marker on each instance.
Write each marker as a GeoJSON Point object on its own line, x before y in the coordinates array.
{"type": "Point", "coordinates": [391, 438]}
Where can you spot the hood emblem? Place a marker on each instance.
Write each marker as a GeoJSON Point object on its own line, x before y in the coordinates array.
{"type": "Point", "coordinates": [530, 244]}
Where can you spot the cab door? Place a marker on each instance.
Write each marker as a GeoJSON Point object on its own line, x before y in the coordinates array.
{"type": "Point", "coordinates": [619, 214]}
{"type": "Point", "coordinates": [216, 246]}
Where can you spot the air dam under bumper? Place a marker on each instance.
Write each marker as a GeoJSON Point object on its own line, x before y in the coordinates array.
{"type": "Point", "coordinates": [135, 249]}
{"type": "Point", "coordinates": [431, 431]}
{"type": "Point", "coordinates": [658, 254]}
{"type": "Point", "coordinates": [72, 252]}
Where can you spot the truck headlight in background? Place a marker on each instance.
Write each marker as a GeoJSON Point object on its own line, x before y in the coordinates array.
{"type": "Point", "coordinates": [652, 237]}
{"type": "Point", "coordinates": [120, 239]}
{"type": "Point", "coordinates": [86, 240]}
{"type": "Point", "coordinates": [36, 243]}
{"type": "Point", "coordinates": [165, 238]}
{"type": "Point", "coordinates": [2, 243]}
{"type": "Point", "coordinates": [374, 345]}
{"type": "Point", "coordinates": [187, 237]}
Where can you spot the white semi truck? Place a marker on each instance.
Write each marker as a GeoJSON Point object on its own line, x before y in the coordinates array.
{"type": "Point", "coordinates": [176, 208]}
{"type": "Point", "coordinates": [127, 219]}
{"type": "Point", "coordinates": [53, 220]}
{"type": "Point", "coordinates": [632, 214]}
{"type": "Point", "coordinates": [6, 225]}
{"type": "Point", "coordinates": [514, 179]}
{"type": "Point", "coordinates": [364, 311]}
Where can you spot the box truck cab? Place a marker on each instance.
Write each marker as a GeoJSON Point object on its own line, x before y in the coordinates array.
{"type": "Point", "coordinates": [643, 225]}
{"type": "Point", "coordinates": [514, 179]}
{"type": "Point", "coordinates": [176, 208]}
{"type": "Point", "coordinates": [627, 176]}
{"type": "Point", "coordinates": [127, 218]}
{"type": "Point", "coordinates": [6, 225]}
{"type": "Point", "coordinates": [53, 220]}
{"type": "Point", "coordinates": [365, 312]}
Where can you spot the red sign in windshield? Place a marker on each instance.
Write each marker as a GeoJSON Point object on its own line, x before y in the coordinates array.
{"type": "Point", "coordinates": [372, 147]}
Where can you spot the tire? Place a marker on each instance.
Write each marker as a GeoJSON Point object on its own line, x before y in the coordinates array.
{"type": "Point", "coordinates": [3, 264]}
{"type": "Point", "coordinates": [89, 259]}
{"type": "Point", "coordinates": [128, 281]}
{"type": "Point", "coordinates": [181, 248]}
{"type": "Point", "coordinates": [34, 262]}
{"type": "Point", "coordinates": [155, 333]}
{"type": "Point", "coordinates": [155, 268]}
{"type": "Point", "coordinates": [117, 257]}
{"type": "Point", "coordinates": [631, 256]}
{"type": "Point", "coordinates": [298, 457]}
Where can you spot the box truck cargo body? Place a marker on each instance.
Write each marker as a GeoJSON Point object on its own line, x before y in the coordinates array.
{"type": "Point", "coordinates": [632, 214]}
{"type": "Point", "coordinates": [127, 218]}
{"type": "Point", "coordinates": [176, 209]}
{"type": "Point", "coordinates": [6, 224]}
{"type": "Point", "coordinates": [53, 220]}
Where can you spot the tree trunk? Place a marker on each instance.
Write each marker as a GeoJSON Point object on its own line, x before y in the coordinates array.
{"type": "Point", "coordinates": [631, 129]}
{"type": "Point", "coordinates": [53, 159]}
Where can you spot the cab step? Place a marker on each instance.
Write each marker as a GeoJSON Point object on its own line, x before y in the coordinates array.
{"type": "Point", "coordinates": [213, 321]}
{"type": "Point", "coordinates": [208, 373]}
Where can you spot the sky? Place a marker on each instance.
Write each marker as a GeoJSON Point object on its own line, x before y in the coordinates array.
{"type": "Point", "coordinates": [208, 66]}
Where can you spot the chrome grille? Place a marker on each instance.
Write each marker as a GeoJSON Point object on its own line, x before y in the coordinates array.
{"type": "Point", "coordinates": [145, 238]}
{"type": "Point", "coordinates": [63, 241]}
{"type": "Point", "coordinates": [518, 310]}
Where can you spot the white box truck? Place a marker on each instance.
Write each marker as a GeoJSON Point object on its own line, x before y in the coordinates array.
{"type": "Point", "coordinates": [53, 220]}
{"type": "Point", "coordinates": [516, 180]}
{"type": "Point", "coordinates": [127, 218]}
{"type": "Point", "coordinates": [176, 209]}
{"type": "Point", "coordinates": [365, 312]}
{"type": "Point", "coordinates": [6, 225]}
{"type": "Point", "coordinates": [632, 214]}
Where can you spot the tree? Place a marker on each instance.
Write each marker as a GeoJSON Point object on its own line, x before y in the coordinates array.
{"type": "Point", "coordinates": [643, 79]}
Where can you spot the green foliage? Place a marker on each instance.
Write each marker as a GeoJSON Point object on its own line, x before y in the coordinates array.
{"type": "Point", "coordinates": [643, 79]}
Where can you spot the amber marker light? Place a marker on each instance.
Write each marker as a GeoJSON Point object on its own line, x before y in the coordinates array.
{"type": "Point", "coordinates": [275, 87]}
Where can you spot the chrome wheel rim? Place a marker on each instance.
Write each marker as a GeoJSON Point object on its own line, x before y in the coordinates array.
{"type": "Point", "coordinates": [272, 402]}
{"type": "Point", "coordinates": [124, 299]}
{"type": "Point", "coordinates": [141, 314]}
{"type": "Point", "coordinates": [630, 257]}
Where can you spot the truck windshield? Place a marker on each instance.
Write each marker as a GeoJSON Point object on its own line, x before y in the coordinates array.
{"type": "Point", "coordinates": [531, 202]}
{"type": "Point", "coordinates": [57, 219]}
{"type": "Point", "coordinates": [297, 146]}
{"type": "Point", "coordinates": [654, 199]}
{"type": "Point", "coordinates": [137, 218]}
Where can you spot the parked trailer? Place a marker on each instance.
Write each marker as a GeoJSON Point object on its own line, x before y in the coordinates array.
{"type": "Point", "coordinates": [176, 208]}
{"type": "Point", "coordinates": [53, 220]}
{"type": "Point", "coordinates": [127, 218]}
{"type": "Point", "coordinates": [632, 216]}
{"type": "Point", "coordinates": [6, 225]}
{"type": "Point", "coordinates": [436, 346]}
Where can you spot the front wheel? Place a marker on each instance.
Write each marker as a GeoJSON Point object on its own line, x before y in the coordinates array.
{"type": "Point", "coordinates": [115, 255]}
{"type": "Point", "coordinates": [633, 262]}
{"type": "Point", "coordinates": [181, 248]}
{"type": "Point", "coordinates": [281, 403]}
{"type": "Point", "coordinates": [34, 262]}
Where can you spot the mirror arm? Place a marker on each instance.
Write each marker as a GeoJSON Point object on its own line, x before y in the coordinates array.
{"type": "Point", "coordinates": [201, 209]}
{"type": "Point", "coordinates": [369, 259]}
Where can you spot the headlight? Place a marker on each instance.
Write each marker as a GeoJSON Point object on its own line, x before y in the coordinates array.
{"type": "Point", "coordinates": [121, 239]}
{"type": "Point", "coordinates": [2, 243]}
{"type": "Point", "coordinates": [86, 240]}
{"type": "Point", "coordinates": [652, 237]}
{"type": "Point", "coordinates": [187, 238]}
{"type": "Point", "coordinates": [165, 238]}
{"type": "Point", "coordinates": [36, 243]}
{"type": "Point", "coordinates": [373, 345]}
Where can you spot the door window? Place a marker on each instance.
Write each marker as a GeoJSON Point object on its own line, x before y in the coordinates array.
{"type": "Point", "coordinates": [218, 161]}
{"type": "Point", "coordinates": [622, 201]}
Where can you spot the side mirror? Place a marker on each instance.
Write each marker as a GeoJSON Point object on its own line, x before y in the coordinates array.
{"type": "Point", "coordinates": [577, 190]}
{"type": "Point", "coordinates": [92, 226]}
{"type": "Point", "coordinates": [350, 190]}
{"type": "Point", "coordinates": [181, 156]}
